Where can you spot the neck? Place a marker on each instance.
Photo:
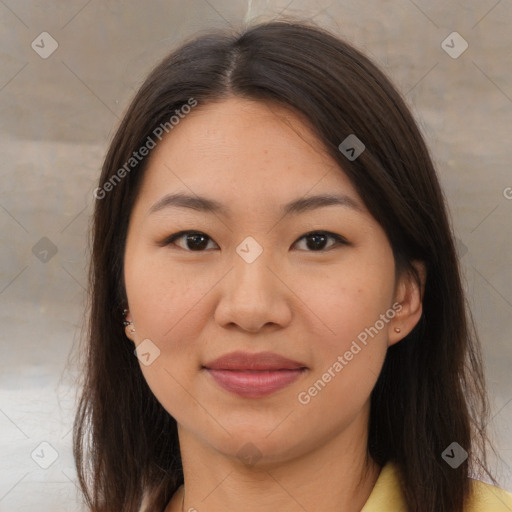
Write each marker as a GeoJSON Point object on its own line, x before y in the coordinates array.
{"type": "Point", "coordinates": [336, 475]}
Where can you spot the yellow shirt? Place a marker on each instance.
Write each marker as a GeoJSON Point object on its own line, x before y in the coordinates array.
{"type": "Point", "coordinates": [387, 496]}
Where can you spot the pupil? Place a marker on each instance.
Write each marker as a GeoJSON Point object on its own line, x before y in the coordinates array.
{"type": "Point", "coordinates": [195, 237]}
{"type": "Point", "coordinates": [318, 241]}
{"type": "Point", "coordinates": [316, 237]}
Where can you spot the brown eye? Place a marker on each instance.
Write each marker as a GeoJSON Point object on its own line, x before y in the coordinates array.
{"type": "Point", "coordinates": [194, 241]}
{"type": "Point", "coordinates": [316, 240]}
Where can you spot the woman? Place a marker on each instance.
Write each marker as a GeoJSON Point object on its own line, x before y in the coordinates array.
{"type": "Point", "coordinates": [270, 230]}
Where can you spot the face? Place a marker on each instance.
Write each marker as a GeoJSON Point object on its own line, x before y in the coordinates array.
{"type": "Point", "coordinates": [315, 284]}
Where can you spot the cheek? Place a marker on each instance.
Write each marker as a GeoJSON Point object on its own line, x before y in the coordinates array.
{"type": "Point", "coordinates": [165, 299]}
{"type": "Point", "coordinates": [348, 356]}
{"type": "Point", "coordinates": [166, 306]}
{"type": "Point", "coordinates": [349, 302]}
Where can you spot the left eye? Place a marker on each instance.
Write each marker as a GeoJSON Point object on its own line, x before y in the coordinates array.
{"type": "Point", "coordinates": [199, 240]}
{"type": "Point", "coordinates": [319, 237]}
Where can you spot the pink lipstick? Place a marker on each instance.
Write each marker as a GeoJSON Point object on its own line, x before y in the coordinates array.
{"type": "Point", "coordinates": [254, 375]}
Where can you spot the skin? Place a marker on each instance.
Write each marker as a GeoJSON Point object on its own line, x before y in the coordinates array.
{"type": "Point", "coordinates": [305, 303]}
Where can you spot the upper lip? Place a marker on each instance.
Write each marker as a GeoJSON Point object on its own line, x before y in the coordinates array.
{"type": "Point", "coordinates": [253, 361]}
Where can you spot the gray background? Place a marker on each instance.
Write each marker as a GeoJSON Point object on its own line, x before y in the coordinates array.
{"type": "Point", "coordinates": [58, 115]}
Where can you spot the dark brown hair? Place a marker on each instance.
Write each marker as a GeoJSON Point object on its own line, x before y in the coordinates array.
{"type": "Point", "coordinates": [431, 391]}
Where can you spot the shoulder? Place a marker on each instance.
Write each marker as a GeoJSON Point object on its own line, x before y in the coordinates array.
{"type": "Point", "coordinates": [387, 495]}
{"type": "Point", "coordinates": [488, 498]}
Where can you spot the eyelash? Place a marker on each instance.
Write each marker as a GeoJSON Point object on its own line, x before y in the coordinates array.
{"type": "Point", "coordinates": [339, 240]}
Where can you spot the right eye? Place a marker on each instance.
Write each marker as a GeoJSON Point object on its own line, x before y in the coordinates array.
{"type": "Point", "coordinates": [195, 241]}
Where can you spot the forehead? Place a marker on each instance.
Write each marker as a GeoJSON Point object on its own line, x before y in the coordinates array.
{"type": "Point", "coordinates": [244, 151]}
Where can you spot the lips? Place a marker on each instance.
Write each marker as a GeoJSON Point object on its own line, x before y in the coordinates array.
{"type": "Point", "coordinates": [259, 361]}
{"type": "Point", "coordinates": [254, 375]}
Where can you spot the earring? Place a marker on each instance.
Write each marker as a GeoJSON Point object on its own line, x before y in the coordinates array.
{"type": "Point", "coordinates": [125, 323]}
{"type": "Point", "coordinates": [129, 323]}
{"type": "Point", "coordinates": [397, 329]}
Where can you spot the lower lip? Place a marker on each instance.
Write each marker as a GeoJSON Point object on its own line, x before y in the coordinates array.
{"type": "Point", "coordinates": [254, 384]}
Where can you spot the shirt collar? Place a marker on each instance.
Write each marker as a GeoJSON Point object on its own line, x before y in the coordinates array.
{"type": "Point", "coordinates": [387, 492]}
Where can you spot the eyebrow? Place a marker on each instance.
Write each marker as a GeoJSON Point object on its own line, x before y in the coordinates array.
{"type": "Point", "coordinates": [301, 205]}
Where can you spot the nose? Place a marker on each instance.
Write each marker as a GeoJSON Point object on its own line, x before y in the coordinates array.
{"type": "Point", "coordinates": [254, 295]}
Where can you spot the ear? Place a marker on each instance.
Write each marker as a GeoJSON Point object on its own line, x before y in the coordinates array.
{"type": "Point", "coordinates": [410, 295]}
